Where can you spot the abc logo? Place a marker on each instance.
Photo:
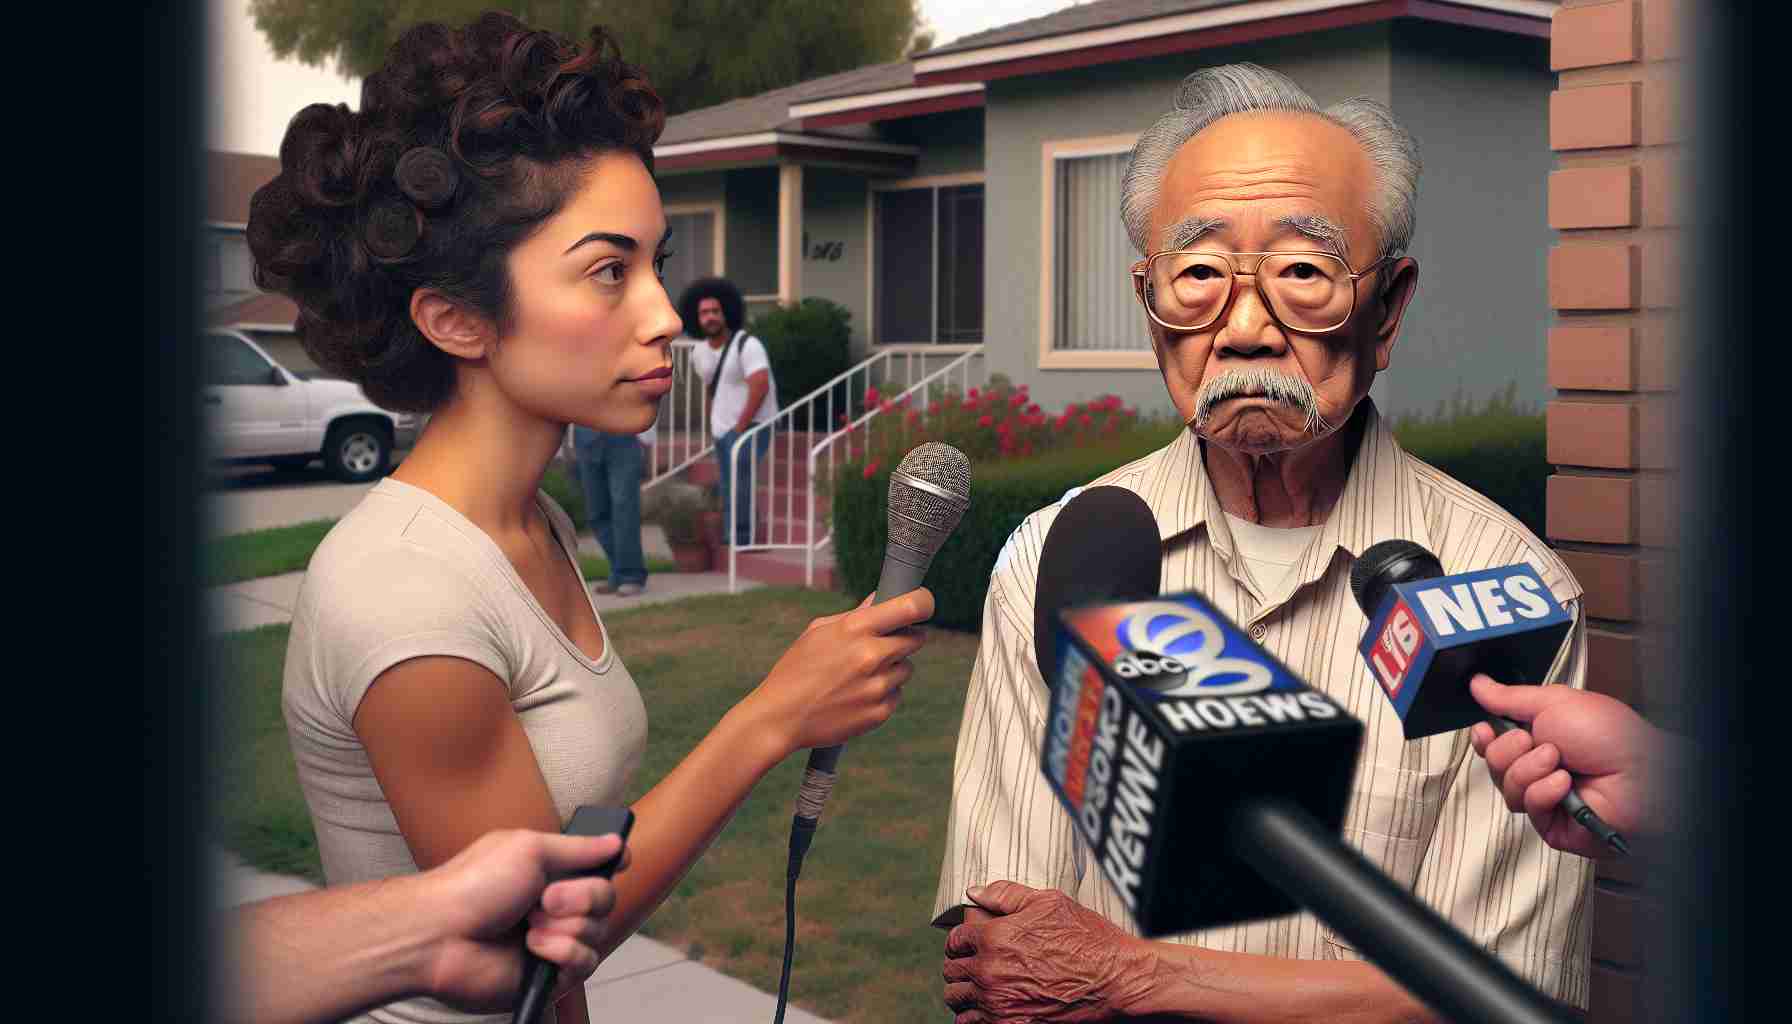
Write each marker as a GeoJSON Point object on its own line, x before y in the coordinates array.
{"type": "Point", "coordinates": [1150, 670]}
{"type": "Point", "coordinates": [1176, 651]}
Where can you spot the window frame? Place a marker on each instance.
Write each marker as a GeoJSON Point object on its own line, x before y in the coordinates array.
{"type": "Point", "coordinates": [933, 183]}
{"type": "Point", "coordinates": [719, 246]}
{"type": "Point", "coordinates": [1051, 357]}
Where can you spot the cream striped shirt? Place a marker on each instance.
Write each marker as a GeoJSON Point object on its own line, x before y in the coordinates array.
{"type": "Point", "coordinates": [1424, 812]}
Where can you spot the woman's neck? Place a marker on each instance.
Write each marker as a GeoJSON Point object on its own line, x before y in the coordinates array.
{"type": "Point", "coordinates": [486, 459]}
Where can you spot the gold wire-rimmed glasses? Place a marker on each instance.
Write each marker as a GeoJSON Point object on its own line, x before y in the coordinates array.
{"type": "Point", "coordinates": [1308, 292]}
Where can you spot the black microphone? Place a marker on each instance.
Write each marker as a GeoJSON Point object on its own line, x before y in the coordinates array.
{"type": "Point", "coordinates": [1430, 633]}
{"type": "Point", "coordinates": [1211, 783]}
{"type": "Point", "coordinates": [1102, 547]}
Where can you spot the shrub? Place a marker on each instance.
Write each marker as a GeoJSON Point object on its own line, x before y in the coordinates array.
{"type": "Point", "coordinates": [807, 343]}
{"type": "Point", "coordinates": [1497, 449]}
{"type": "Point", "coordinates": [561, 481]}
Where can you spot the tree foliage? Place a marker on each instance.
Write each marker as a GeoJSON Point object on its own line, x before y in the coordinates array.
{"type": "Point", "coordinates": [697, 53]}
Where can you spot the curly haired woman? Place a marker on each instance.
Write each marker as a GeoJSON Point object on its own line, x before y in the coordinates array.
{"type": "Point", "coordinates": [481, 241]}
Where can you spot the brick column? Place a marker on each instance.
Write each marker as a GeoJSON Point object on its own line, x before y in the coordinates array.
{"type": "Point", "coordinates": [1614, 288]}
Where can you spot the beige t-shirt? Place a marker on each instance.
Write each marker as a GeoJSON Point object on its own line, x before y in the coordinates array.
{"type": "Point", "coordinates": [402, 576]}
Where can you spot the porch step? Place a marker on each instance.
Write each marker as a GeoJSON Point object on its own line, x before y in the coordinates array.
{"type": "Point", "coordinates": [784, 567]}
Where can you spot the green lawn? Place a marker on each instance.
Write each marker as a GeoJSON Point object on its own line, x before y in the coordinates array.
{"type": "Point", "coordinates": [865, 952]}
{"type": "Point", "coordinates": [258, 553]}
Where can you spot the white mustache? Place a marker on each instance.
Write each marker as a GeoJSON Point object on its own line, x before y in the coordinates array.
{"type": "Point", "coordinates": [1277, 387]}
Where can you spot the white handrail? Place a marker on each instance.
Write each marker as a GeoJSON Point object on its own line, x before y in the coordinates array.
{"type": "Point", "coordinates": [783, 424]}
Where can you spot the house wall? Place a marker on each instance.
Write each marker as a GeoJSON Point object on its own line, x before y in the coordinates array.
{"type": "Point", "coordinates": [835, 251]}
{"type": "Point", "coordinates": [1022, 114]}
{"type": "Point", "coordinates": [950, 143]}
{"type": "Point", "coordinates": [1478, 104]}
{"type": "Point", "coordinates": [752, 197]}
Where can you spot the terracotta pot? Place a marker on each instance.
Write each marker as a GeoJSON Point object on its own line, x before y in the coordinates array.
{"type": "Point", "coordinates": [690, 556]}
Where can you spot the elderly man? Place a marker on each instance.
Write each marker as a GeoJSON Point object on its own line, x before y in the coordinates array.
{"type": "Point", "coordinates": [1274, 289]}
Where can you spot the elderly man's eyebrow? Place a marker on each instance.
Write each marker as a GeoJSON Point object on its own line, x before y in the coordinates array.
{"type": "Point", "coordinates": [1320, 229]}
{"type": "Point", "coordinates": [1192, 229]}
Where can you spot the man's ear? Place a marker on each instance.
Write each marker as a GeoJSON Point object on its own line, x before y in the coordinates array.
{"type": "Point", "coordinates": [1393, 294]}
{"type": "Point", "coordinates": [451, 326]}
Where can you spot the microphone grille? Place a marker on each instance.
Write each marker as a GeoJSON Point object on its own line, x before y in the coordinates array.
{"type": "Point", "coordinates": [1386, 563]}
{"type": "Point", "coordinates": [929, 493]}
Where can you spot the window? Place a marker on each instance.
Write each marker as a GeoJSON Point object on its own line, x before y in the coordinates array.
{"type": "Point", "coordinates": [229, 362]}
{"type": "Point", "coordinates": [928, 277]}
{"type": "Point", "coordinates": [694, 249]}
{"type": "Point", "coordinates": [1093, 306]}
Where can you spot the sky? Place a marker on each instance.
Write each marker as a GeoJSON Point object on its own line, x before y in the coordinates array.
{"type": "Point", "coordinates": [254, 95]}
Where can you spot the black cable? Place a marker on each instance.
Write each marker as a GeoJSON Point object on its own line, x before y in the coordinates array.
{"type": "Point", "coordinates": [1572, 803]}
{"type": "Point", "coordinates": [802, 831]}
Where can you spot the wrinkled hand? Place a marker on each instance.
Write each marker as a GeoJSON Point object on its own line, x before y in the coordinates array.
{"type": "Point", "coordinates": [485, 892]}
{"type": "Point", "coordinates": [1577, 739]}
{"type": "Point", "coordinates": [844, 675]}
{"type": "Point", "coordinates": [1038, 957]}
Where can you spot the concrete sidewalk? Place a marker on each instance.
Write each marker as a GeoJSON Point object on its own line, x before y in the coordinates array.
{"type": "Point", "coordinates": [640, 975]}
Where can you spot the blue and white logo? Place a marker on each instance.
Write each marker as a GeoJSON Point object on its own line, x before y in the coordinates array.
{"type": "Point", "coordinates": [1177, 650]}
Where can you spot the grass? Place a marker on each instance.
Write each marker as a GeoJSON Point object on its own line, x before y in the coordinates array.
{"type": "Point", "coordinates": [258, 553]}
{"type": "Point", "coordinates": [284, 549]}
{"type": "Point", "coordinates": [865, 952]}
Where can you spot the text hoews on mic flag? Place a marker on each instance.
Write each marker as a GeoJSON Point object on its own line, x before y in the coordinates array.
{"type": "Point", "coordinates": [1426, 636]}
{"type": "Point", "coordinates": [1163, 716]}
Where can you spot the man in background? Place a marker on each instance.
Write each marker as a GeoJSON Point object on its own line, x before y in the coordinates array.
{"type": "Point", "coordinates": [738, 374]}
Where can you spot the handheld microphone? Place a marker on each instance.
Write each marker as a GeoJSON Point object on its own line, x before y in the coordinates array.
{"type": "Point", "coordinates": [1211, 784]}
{"type": "Point", "coordinates": [1429, 633]}
{"type": "Point", "coordinates": [929, 493]}
{"type": "Point", "coordinates": [538, 974]}
{"type": "Point", "coordinates": [1102, 547]}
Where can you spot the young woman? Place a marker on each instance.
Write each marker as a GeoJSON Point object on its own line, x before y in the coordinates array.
{"type": "Point", "coordinates": [482, 241]}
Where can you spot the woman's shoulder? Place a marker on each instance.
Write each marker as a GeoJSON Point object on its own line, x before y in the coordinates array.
{"type": "Point", "coordinates": [395, 540]}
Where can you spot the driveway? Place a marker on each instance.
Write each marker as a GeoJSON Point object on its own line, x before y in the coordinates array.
{"type": "Point", "coordinates": [258, 498]}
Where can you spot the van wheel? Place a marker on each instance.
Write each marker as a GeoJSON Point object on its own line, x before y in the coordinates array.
{"type": "Point", "coordinates": [357, 451]}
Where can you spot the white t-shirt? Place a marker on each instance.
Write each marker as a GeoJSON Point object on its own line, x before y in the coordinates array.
{"type": "Point", "coordinates": [1269, 551]}
{"type": "Point", "coordinates": [747, 358]}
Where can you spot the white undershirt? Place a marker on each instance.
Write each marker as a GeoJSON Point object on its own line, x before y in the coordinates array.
{"type": "Point", "coordinates": [1271, 552]}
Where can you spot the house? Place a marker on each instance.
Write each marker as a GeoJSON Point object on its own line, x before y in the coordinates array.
{"type": "Point", "coordinates": [969, 197]}
{"type": "Point", "coordinates": [230, 296]}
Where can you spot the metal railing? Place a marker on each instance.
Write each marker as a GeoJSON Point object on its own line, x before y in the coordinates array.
{"type": "Point", "coordinates": [827, 411]}
{"type": "Point", "coordinates": [681, 434]}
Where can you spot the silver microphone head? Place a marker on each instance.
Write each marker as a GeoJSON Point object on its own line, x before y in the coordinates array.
{"type": "Point", "coordinates": [929, 493]}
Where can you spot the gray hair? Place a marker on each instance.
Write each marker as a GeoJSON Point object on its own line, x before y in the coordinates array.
{"type": "Point", "coordinates": [1212, 93]}
{"type": "Point", "coordinates": [1258, 380]}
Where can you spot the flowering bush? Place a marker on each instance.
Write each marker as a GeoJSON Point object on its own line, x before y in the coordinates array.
{"type": "Point", "coordinates": [989, 424]}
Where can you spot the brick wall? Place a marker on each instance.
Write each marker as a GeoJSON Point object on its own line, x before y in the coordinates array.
{"type": "Point", "coordinates": [1614, 277]}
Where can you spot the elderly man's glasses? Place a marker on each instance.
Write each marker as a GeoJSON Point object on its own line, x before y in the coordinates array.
{"type": "Point", "coordinates": [1309, 292]}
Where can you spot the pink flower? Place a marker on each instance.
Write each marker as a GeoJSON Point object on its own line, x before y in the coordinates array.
{"type": "Point", "coordinates": [913, 417]}
{"type": "Point", "coordinates": [970, 404]}
{"type": "Point", "coordinates": [1033, 410]}
{"type": "Point", "coordinates": [1084, 420]}
{"type": "Point", "coordinates": [843, 419]}
{"type": "Point", "coordinates": [933, 408]}
{"type": "Point", "coordinates": [902, 403]}
{"type": "Point", "coordinates": [986, 421]}
{"type": "Point", "coordinates": [1027, 449]}
{"type": "Point", "coordinates": [1072, 409]}
{"type": "Point", "coordinates": [871, 468]}
{"type": "Point", "coordinates": [1003, 428]}
{"type": "Point", "coordinates": [872, 395]}
{"type": "Point", "coordinates": [884, 407]}
{"type": "Point", "coordinates": [972, 394]}
{"type": "Point", "coordinates": [1061, 422]}
{"type": "Point", "coordinates": [1131, 410]}
{"type": "Point", "coordinates": [1017, 401]}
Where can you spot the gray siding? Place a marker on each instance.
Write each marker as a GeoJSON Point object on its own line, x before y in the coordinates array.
{"type": "Point", "coordinates": [950, 143]}
{"type": "Point", "coordinates": [834, 253]}
{"type": "Point", "coordinates": [752, 195]}
{"type": "Point", "coordinates": [1478, 103]}
{"type": "Point", "coordinates": [1023, 114]}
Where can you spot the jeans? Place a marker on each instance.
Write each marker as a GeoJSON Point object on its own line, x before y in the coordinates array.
{"type": "Point", "coordinates": [742, 490]}
{"type": "Point", "coordinates": [610, 470]}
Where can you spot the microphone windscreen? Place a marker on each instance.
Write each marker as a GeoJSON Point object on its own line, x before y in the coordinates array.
{"type": "Point", "coordinates": [929, 493]}
{"type": "Point", "coordinates": [1102, 548]}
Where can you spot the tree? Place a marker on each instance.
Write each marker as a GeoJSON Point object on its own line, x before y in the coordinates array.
{"type": "Point", "coordinates": [697, 53]}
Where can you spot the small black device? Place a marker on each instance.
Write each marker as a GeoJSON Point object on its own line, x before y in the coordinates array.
{"type": "Point", "coordinates": [538, 974]}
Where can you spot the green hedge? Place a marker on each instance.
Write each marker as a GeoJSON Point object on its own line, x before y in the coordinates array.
{"type": "Point", "coordinates": [807, 343]}
{"type": "Point", "coordinates": [1498, 450]}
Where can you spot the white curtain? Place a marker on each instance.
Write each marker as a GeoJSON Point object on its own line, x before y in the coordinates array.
{"type": "Point", "coordinates": [1095, 307]}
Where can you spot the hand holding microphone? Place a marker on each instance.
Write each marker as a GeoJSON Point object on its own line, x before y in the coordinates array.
{"type": "Point", "coordinates": [1617, 761]}
{"type": "Point", "coordinates": [1428, 633]}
